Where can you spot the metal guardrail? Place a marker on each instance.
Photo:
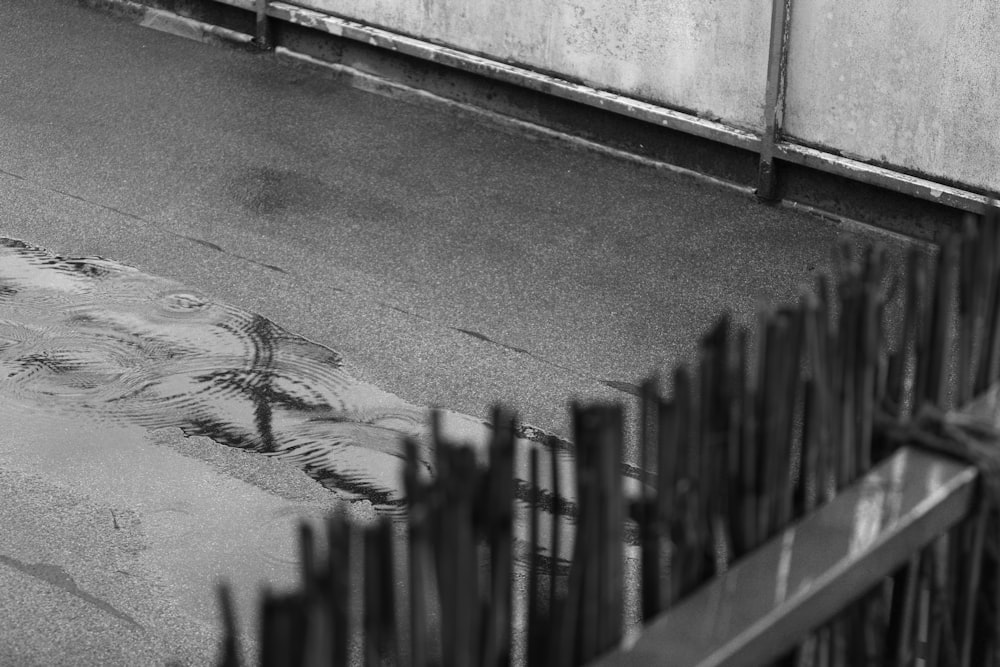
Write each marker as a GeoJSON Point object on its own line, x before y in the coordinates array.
{"type": "Point", "coordinates": [770, 144]}
{"type": "Point", "coordinates": [765, 605]}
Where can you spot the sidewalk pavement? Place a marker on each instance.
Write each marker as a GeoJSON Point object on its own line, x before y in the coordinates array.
{"type": "Point", "coordinates": [451, 261]}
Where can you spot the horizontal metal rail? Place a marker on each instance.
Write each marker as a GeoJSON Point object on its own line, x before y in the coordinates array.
{"type": "Point", "coordinates": [768, 602]}
{"type": "Point", "coordinates": [883, 177]}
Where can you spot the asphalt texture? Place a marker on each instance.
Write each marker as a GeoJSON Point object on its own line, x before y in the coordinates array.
{"type": "Point", "coordinates": [451, 260]}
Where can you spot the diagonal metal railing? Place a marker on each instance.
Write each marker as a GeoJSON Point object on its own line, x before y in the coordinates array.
{"type": "Point", "coordinates": [766, 604]}
{"type": "Point", "coordinates": [795, 498]}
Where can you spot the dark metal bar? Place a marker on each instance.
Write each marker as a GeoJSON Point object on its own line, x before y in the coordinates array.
{"type": "Point", "coordinates": [774, 98]}
{"type": "Point", "coordinates": [262, 36]}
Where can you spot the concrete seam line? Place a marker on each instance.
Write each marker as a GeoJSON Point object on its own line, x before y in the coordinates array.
{"type": "Point", "coordinates": [377, 85]}
{"type": "Point", "coordinates": [773, 97]}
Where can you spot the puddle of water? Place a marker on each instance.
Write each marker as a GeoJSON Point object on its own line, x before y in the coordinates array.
{"type": "Point", "coordinates": [90, 339]}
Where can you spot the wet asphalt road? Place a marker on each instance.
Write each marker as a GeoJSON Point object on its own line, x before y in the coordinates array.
{"type": "Point", "coordinates": [450, 261]}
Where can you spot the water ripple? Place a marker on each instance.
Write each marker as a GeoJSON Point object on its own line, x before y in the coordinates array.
{"type": "Point", "coordinates": [92, 338]}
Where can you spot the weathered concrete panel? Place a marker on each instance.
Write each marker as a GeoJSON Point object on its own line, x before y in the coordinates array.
{"type": "Point", "coordinates": [911, 83]}
{"type": "Point", "coordinates": [705, 56]}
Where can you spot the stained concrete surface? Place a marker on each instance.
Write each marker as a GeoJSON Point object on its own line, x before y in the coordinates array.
{"type": "Point", "coordinates": [113, 540]}
{"type": "Point", "coordinates": [451, 262]}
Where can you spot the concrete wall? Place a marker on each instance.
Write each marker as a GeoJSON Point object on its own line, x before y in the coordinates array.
{"type": "Point", "coordinates": [911, 83]}
{"type": "Point", "coordinates": [708, 57]}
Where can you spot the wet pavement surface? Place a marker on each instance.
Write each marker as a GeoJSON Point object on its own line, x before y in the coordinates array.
{"type": "Point", "coordinates": [350, 257]}
{"type": "Point", "coordinates": [88, 339]}
{"type": "Point", "coordinates": [101, 364]}
{"type": "Point", "coordinates": [451, 262]}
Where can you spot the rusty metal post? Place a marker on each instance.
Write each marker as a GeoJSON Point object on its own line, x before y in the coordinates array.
{"type": "Point", "coordinates": [774, 98]}
{"type": "Point", "coordinates": [262, 36]}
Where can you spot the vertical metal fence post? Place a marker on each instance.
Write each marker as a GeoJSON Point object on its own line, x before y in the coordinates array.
{"type": "Point", "coordinates": [262, 38]}
{"type": "Point", "coordinates": [775, 97]}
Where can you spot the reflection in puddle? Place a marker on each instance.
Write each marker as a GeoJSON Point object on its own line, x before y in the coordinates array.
{"type": "Point", "coordinates": [90, 338]}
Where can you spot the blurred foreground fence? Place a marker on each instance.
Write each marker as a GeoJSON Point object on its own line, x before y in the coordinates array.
{"type": "Point", "coordinates": [807, 495]}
